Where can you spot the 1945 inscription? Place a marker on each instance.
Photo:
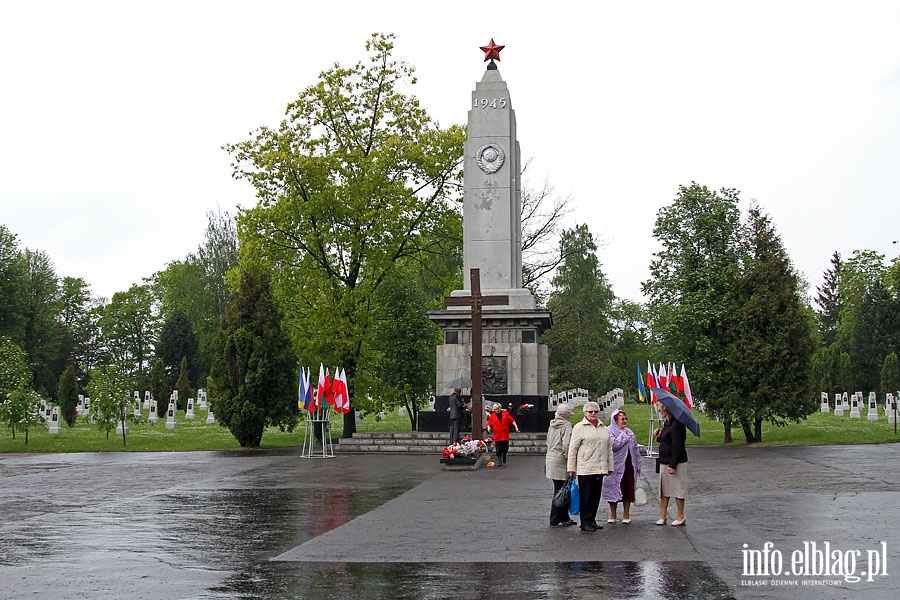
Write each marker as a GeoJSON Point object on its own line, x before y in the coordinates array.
{"type": "Point", "coordinates": [489, 103]}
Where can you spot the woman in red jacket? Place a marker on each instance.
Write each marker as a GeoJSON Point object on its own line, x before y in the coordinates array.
{"type": "Point", "coordinates": [498, 425]}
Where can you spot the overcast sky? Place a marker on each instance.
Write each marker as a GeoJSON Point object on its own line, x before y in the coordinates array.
{"type": "Point", "coordinates": [113, 114]}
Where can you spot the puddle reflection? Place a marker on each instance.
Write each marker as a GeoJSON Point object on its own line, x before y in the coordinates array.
{"type": "Point", "coordinates": [437, 581]}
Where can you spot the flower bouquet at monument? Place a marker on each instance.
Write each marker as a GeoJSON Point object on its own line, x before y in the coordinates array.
{"type": "Point", "coordinates": [466, 448]}
{"type": "Point", "coordinates": [526, 408]}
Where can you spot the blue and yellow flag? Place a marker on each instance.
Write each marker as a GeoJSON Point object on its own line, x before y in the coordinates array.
{"type": "Point", "coordinates": [642, 393]}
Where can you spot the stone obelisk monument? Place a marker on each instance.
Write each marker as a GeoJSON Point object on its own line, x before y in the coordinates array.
{"type": "Point", "coordinates": [514, 365]}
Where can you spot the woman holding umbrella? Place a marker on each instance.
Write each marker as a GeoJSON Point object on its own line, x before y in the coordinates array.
{"type": "Point", "coordinates": [672, 463]}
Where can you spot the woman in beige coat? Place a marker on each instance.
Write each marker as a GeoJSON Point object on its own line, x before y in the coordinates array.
{"type": "Point", "coordinates": [590, 457]}
{"type": "Point", "coordinates": [558, 435]}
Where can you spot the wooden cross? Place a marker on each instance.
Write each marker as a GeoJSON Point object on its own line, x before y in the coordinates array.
{"type": "Point", "coordinates": [476, 301]}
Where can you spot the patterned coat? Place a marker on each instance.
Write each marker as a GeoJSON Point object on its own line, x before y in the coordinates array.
{"type": "Point", "coordinates": [623, 444]}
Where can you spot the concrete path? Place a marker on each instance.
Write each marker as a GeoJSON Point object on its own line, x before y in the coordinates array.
{"type": "Point", "coordinates": [269, 524]}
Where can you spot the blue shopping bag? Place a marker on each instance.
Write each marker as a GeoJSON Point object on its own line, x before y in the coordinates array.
{"type": "Point", "coordinates": [574, 498]}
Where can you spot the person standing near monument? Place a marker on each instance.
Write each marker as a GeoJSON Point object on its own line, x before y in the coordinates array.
{"type": "Point", "coordinates": [498, 425]}
{"type": "Point", "coordinates": [558, 435]}
{"type": "Point", "coordinates": [619, 487]}
{"type": "Point", "coordinates": [672, 461]}
{"type": "Point", "coordinates": [590, 458]}
{"type": "Point", "coordinates": [457, 411]}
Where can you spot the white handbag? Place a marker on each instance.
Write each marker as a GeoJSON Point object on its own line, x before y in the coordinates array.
{"type": "Point", "coordinates": [640, 496]}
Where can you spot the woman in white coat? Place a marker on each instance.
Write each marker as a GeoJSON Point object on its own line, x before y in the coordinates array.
{"type": "Point", "coordinates": [590, 458]}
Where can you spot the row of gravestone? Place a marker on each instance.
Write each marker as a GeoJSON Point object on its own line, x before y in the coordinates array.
{"type": "Point", "coordinates": [50, 412]}
{"type": "Point", "coordinates": [609, 402]}
{"type": "Point", "coordinates": [152, 418]}
{"type": "Point", "coordinates": [853, 405]}
{"type": "Point", "coordinates": [575, 397]}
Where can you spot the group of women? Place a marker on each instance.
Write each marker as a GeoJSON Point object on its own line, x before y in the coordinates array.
{"type": "Point", "coordinates": [607, 464]}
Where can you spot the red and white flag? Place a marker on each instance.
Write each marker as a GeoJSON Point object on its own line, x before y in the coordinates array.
{"type": "Point", "coordinates": [688, 398]}
{"type": "Point", "coordinates": [341, 391]}
{"type": "Point", "coordinates": [651, 381]}
{"type": "Point", "coordinates": [673, 379]}
{"type": "Point", "coordinates": [324, 389]}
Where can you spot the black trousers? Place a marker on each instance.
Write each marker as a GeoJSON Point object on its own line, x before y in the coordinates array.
{"type": "Point", "coordinates": [589, 487]}
{"type": "Point", "coordinates": [501, 449]}
{"type": "Point", "coordinates": [454, 430]}
{"type": "Point", "coordinates": [558, 515]}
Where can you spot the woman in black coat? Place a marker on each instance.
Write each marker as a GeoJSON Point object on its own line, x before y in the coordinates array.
{"type": "Point", "coordinates": [672, 463]}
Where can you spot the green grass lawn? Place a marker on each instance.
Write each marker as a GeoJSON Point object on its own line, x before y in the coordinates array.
{"type": "Point", "coordinates": [197, 435]}
{"type": "Point", "coordinates": [817, 429]}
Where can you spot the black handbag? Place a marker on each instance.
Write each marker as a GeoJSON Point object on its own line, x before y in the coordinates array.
{"type": "Point", "coordinates": [563, 495]}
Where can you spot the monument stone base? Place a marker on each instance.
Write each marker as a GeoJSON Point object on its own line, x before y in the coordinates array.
{"type": "Point", "coordinates": [536, 420]}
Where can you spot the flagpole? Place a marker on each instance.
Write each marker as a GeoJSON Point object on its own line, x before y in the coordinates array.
{"type": "Point", "coordinates": [654, 419]}
{"type": "Point", "coordinates": [319, 422]}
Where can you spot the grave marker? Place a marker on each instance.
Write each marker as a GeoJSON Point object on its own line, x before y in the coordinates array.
{"type": "Point", "coordinates": [872, 415]}
{"type": "Point", "coordinates": [189, 413]}
{"type": "Point", "coordinates": [170, 416]}
{"type": "Point", "coordinates": [53, 423]}
{"type": "Point", "coordinates": [122, 419]}
{"type": "Point", "coordinates": [854, 407]}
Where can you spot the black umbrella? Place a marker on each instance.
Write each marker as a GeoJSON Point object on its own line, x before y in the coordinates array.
{"type": "Point", "coordinates": [459, 383]}
{"type": "Point", "coordinates": [677, 409]}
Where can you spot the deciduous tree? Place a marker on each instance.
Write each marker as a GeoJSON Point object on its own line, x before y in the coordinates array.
{"type": "Point", "coordinates": [110, 394]}
{"type": "Point", "coordinates": [875, 334]}
{"type": "Point", "coordinates": [12, 287]}
{"type": "Point", "coordinates": [20, 411]}
{"type": "Point", "coordinates": [355, 179]}
{"type": "Point", "coordinates": [44, 335]}
{"type": "Point", "coordinates": [129, 327]}
{"type": "Point", "coordinates": [404, 341]}
{"type": "Point", "coordinates": [14, 372]}
{"type": "Point", "coordinates": [691, 278]}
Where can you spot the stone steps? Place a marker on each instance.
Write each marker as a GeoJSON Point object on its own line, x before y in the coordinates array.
{"type": "Point", "coordinates": [425, 442]}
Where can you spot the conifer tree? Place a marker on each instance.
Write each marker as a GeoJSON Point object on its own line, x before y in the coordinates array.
{"type": "Point", "coordinates": [254, 371]}
{"type": "Point", "coordinates": [68, 395]}
{"type": "Point", "coordinates": [183, 385]}
{"type": "Point", "coordinates": [829, 301]}
{"type": "Point", "coordinates": [767, 369]}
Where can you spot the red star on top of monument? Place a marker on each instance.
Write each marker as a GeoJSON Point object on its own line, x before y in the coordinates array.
{"type": "Point", "coordinates": [492, 51]}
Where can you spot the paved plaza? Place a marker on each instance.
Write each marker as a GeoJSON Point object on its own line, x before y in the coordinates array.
{"type": "Point", "coordinates": [269, 524]}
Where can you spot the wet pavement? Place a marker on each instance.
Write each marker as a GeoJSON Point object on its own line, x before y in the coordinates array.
{"type": "Point", "coordinates": [269, 524]}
